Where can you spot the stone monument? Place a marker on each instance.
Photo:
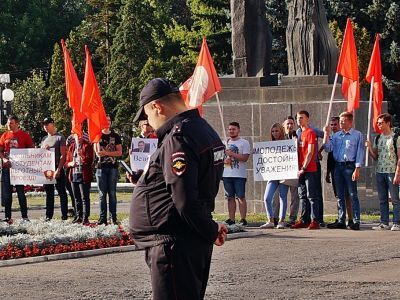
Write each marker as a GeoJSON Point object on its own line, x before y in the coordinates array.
{"type": "Point", "coordinates": [311, 48]}
{"type": "Point", "coordinates": [251, 39]}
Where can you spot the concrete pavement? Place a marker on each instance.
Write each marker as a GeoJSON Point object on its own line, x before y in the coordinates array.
{"type": "Point", "coordinates": [261, 264]}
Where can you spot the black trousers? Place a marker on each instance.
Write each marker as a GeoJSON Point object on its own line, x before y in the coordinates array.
{"type": "Point", "coordinates": [60, 186]}
{"type": "Point", "coordinates": [82, 199]}
{"type": "Point", "coordinates": [6, 196]}
{"type": "Point", "coordinates": [179, 270]}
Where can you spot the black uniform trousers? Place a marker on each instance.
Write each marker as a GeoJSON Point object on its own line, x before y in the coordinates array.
{"type": "Point", "coordinates": [180, 269]}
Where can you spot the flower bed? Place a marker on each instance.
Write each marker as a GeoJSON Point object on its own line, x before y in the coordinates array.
{"type": "Point", "coordinates": [35, 238]}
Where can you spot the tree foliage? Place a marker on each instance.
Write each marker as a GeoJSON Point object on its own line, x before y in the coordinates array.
{"type": "Point", "coordinates": [133, 41]}
{"type": "Point", "coordinates": [29, 30]}
{"type": "Point", "coordinates": [31, 104]}
{"type": "Point", "coordinates": [58, 104]}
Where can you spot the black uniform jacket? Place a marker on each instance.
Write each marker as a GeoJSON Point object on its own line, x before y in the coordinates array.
{"type": "Point", "coordinates": [175, 195]}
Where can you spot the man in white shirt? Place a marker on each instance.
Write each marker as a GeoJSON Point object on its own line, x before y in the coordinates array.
{"type": "Point", "coordinates": [235, 174]}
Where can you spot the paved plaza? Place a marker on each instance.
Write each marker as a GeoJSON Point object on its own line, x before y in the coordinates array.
{"type": "Point", "coordinates": [260, 264]}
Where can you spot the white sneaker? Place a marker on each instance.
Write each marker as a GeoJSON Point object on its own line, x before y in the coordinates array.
{"type": "Point", "coordinates": [281, 225]}
{"type": "Point", "coordinates": [381, 227]}
{"type": "Point", "coordinates": [395, 227]}
{"type": "Point", "coordinates": [267, 225]}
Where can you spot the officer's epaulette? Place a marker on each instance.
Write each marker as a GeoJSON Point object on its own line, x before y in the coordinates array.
{"type": "Point", "coordinates": [179, 128]}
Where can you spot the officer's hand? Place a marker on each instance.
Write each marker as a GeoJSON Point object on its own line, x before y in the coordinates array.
{"type": "Point", "coordinates": [222, 232]}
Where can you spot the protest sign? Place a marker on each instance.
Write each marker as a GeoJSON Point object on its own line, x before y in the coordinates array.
{"type": "Point", "coordinates": [140, 152]}
{"type": "Point", "coordinates": [275, 160]}
{"type": "Point", "coordinates": [32, 166]}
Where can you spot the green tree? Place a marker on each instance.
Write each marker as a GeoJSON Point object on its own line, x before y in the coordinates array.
{"type": "Point", "coordinates": [59, 108]}
{"type": "Point", "coordinates": [377, 16]}
{"type": "Point", "coordinates": [31, 104]}
{"type": "Point", "coordinates": [277, 15]}
{"type": "Point", "coordinates": [30, 28]}
{"type": "Point", "coordinates": [132, 47]}
{"type": "Point", "coordinates": [210, 19]}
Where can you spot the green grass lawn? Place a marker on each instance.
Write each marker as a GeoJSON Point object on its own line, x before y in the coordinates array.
{"type": "Point", "coordinates": [40, 200]}
{"type": "Point", "coordinates": [261, 218]}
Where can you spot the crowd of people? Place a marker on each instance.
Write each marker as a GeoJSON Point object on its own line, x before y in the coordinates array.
{"type": "Point", "coordinates": [345, 147]}
{"type": "Point", "coordinates": [75, 158]}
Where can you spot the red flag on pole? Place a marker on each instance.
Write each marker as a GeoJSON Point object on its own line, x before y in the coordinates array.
{"type": "Point", "coordinates": [348, 68]}
{"type": "Point", "coordinates": [73, 90]}
{"type": "Point", "coordinates": [204, 82]}
{"type": "Point", "coordinates": [375, 72]}
{"type": "Point", "coordinates": [92, 106]}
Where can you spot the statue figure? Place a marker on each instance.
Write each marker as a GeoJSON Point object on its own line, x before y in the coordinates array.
{"type": "Point", "coordinates": [251, 39]}
{"type": "Point", "coordinates": [311, 48]}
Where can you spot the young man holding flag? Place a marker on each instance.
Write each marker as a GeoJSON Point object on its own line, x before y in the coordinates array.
{"type": "Point", "coordinates": [347, 146]}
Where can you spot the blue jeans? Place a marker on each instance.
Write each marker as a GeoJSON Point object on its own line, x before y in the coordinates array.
{"type": "Point", "coordinates": [308, 195]}
{"type": "Point", "coordinates": [107, 185]}
{"type": "Point", "coordinates": [343, 182]}
{"type": "Point", "coordinates": [320, 216]}
{"type": "Point", "coordinates": [6, 194]}
{"type": "Point", "coordinates": [384, 184]}
{"type": "Point", "coordinates": [270, 189]}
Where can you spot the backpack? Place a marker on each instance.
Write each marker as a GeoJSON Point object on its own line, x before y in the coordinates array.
{"type": "Point", "coordinates": [395, 137]}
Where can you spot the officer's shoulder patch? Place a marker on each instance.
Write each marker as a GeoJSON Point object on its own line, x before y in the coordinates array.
{"type": "Point", "coordinates": [178, 163]}
{"type": "Point", "coordinates": [219, 155]}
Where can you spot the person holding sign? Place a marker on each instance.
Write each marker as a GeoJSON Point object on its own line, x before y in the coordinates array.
{"type": "Point", "coordinates": [80, 160]}
{"type": "Point", "coordinates": [13, 138]}
{"type": "Point", "coordinates": [277, 133]}
{"type": "Point", "coordinates": [56, 141]}
{"type": "Point", "coordinates": [146, 131]}
{"type": "Point", "coordinates": [307, 150]}
{"type": "Point", "coordinates": [348, 150]}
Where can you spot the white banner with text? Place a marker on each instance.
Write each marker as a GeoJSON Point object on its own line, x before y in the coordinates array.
{"type": "Point", "coordinates": [32, 166]}
{"type": "Point", "coordinates": [275, 160]}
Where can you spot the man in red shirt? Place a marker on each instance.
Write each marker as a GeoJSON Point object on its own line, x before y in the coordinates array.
{"type": "Point", "coordinates": [307, 174]}
{"type": "Point", "coordinates": [13, 138]}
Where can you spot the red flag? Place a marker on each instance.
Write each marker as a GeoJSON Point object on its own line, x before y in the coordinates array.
{"type": "Point", "coordinates": [204, 82]}
{"type": "Point", "coordinates": [92, 106]}
{"type": "Point", "coordinates": [348, 68]}
{"type": "Point", "coordinates": [375, 71]}
{"type": "Point", "coordinates": [73, 89]}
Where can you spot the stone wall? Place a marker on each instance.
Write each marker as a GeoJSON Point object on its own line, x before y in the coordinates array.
{"type": "Point", "coordinates": [257, 107]}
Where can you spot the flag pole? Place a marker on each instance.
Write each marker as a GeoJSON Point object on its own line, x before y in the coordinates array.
{"type": "Point", "coordinates": [369, 118]}
{"type": "Point", "coordinates": [331, 101]}
{"type": "Point", "coordinates": [222, 118]}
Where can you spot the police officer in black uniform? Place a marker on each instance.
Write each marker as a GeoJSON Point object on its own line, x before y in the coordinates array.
{"type": "Point", "coordinates": [170, 214]}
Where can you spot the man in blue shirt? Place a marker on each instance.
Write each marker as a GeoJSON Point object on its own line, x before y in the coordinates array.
{"type": "Point", "coordinates": [348, 151]}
